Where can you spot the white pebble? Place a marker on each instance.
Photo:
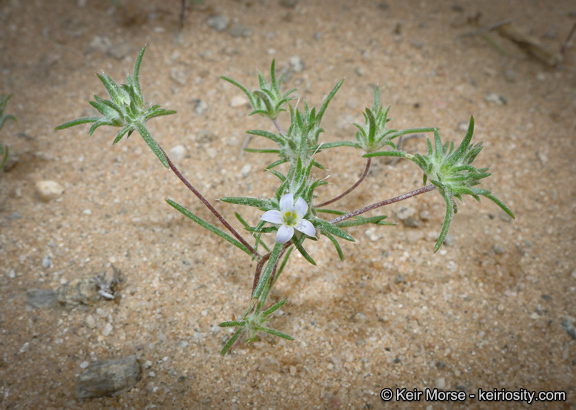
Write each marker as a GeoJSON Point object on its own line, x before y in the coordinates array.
{"type": "Point", "coordinates": [239, 101]}
{"type": "Point", "coordinates": [107, 330]}
{"type": "Point", "coordinates": [245, 171]}
{"type": "Point", "coordinates": [441, 383]}
{"type": "Point", "coordinates": [84, 364]}
{"type": "Point", "coordinates": [47, 261]}
{"type": "Point", "coordinates": [178, 153]}
{"type": "Point", "coordinates": [25, 347]}
{"type": "Point", "coordinates": [90, 322]}
{"type": "Point", "coordinates": [296, 64]}
{"type": "Point", "coordinates": [49, 190]}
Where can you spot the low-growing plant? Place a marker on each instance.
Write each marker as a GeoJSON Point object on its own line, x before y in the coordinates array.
{"type": "Point", "coordinates": [291, 217]}
{"type": "Point", "coordinates": [3, 118]}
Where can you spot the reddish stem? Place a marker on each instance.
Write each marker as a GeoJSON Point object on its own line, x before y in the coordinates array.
{"type": "Point", "coordinates": [209, 205]}
{"type": "Point", "coordinates": [352, 188]}
{"type": "Point", "coordinates": [410, 194]}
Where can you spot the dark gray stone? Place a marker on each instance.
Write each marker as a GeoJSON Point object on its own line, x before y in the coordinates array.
{"type": "Point", "coordinates": [569, 328]}
{"type": "Point", "coordinates": [108, 378]}
{"type": "Point", "coordinates": [41, 298]}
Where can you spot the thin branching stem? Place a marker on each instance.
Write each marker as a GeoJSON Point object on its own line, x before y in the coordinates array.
{"type": "Point", "coordinates": [258, 271]}
{"type": "Point", "coordinates": [209, 205]}
{"type": "Point", "coordinates": [410, 194]}
{"type": "Point", "coordinates": [352, 188]}
{"type": "Point", "coordinates": [278, 127]}
{"type": "Point", "coordinates": [261, 263]}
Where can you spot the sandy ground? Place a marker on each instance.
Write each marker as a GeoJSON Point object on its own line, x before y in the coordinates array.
{"type": "Point", "coordinates": [485, 312]}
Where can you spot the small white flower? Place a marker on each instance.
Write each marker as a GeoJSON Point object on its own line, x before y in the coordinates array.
{"type": "Point", "coordinates": [290, 217]}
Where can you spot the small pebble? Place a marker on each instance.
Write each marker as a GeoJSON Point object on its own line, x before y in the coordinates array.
{"type": "Point", "coordinates": [47, 261]}
{"type": "Point", "coordinates": [49, 190]}
{"type": "Point", "coordinates": [12, 273]}
{"type": "Point", "coordinates": [84, 364]}
{"type": "Point", "coordinates": [87, 212]}
{"type": "Point", "coordinates": [179, 75]}
{"type": "Point", "coordinates": [293, 371]}
{"type": "Point", "coordinates": [441, 383]}
{"type": "Point", "coordinates": [569, 328]}
{"type": "Point", "coordinates": [204, 136]}
{"type": "Point", "coordinates": [120, 50]}
{"type": "Point", "coordinates": [463, 126]}
{"type": "Point", "coordinates": [296, 64]}
{"type": "Point", "coordinates": [90, 322]}
{"type": "Point", "coordinates": [178, 153]}
{"type": "Point", "coordinates": [424, 215]}
{"type": "Point", "coordinates": [147, 364]}
{"type": "Point", "coordinates": [498, 249]}
{"type": "Point", "coordinates": [496, 99]}
{"type": "Point", "coordinates": [240, 30]}
{"type": "Point", "coordinates": [245, 171]}
{"type": "Point", "coordinates": [218, 23]}
{"type": "Point", "coordinates": [108, 377]}
{"type": "Point", "coordinates": [239, 101]}
{"type": "Point", "coordinates": [200, 106]}
{"type": "Point", "coordinates": [182, 344]}
{"type": "Point", "coordinates": [25, 347]}
{"type": "Point", "coordinates": [211, 152]}
{"type": "Point", "coordinates": [405, 212]}
{"type": "Point", "coordinates": [41, 298]}
{"type": "Point", "coordinates": [107, 330]}
{"type": "Point", "coordinates": [449, 240]}
{"type": "Point", "coordinates": [412, 223]}
{"type": "Point", "coordinates": [371, 234]}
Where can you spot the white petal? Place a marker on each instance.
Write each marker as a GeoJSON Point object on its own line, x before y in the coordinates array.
{"type": "Point", "coordinates": [273, 216]}
{"type": "Point", "coordinates": [306, 227]}
{"type": "Point", "coordinates": [301, 208]}
{"type": "Point", "coordinates": [287, 203]}
{"type": "Point", "coordinates": [284, 234]}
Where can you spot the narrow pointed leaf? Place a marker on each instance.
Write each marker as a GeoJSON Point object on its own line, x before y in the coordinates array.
{"type": "Point", "coordinates": [231, 341]}
{"type": "Point", "coordinates": [208, 226]}
{"type": "Point", "coordinates": [334, 230]}
{"type": "Point", "coordinates": [336, 244]}
{"type": "Point", "coordinates": [232, 324]}
{"type": "Point", "coordinates": [275, 333]}
{"type": "Point", "coordinates": [273, 308]}
{"type": "Point", "coordinates": [75, 122]}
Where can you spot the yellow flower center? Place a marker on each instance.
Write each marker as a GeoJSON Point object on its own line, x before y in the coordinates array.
{"type": "Point", "coordinates": [290, 218]}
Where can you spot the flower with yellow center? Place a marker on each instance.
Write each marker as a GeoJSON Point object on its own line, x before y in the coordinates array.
{"type": "Point", "coordinates": [290, 217]}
